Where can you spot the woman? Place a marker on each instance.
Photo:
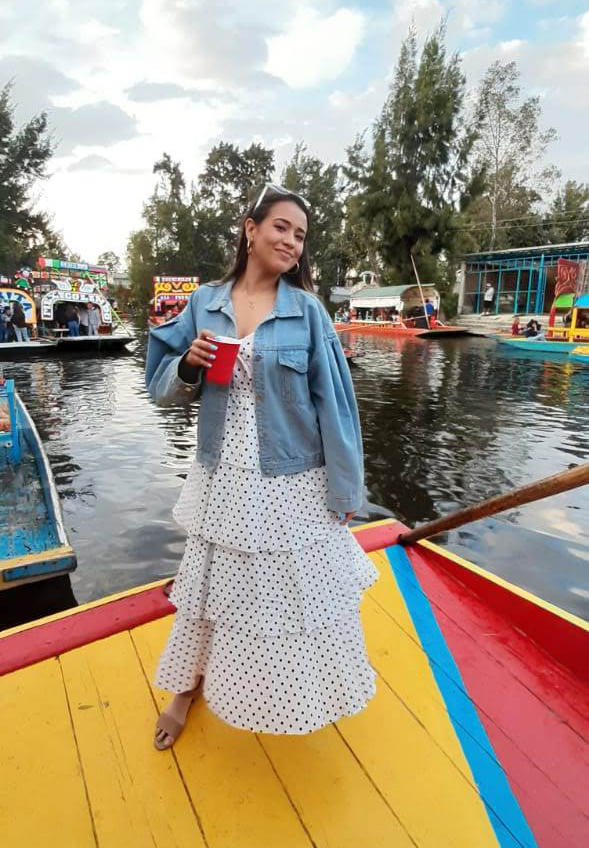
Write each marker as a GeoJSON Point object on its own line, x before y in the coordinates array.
{"type": "Point", "coordinates": [268, 590]}
{"type": "Point", "coordinates": [19, 322]}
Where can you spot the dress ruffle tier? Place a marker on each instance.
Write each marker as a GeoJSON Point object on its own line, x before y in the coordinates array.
{"type": "Point", "coordinates": [268, 590]}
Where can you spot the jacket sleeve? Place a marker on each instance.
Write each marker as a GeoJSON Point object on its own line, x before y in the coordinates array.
{"type": "Point", "coordinates": [333, 396]}
{"type": "Point", "coordinates": [165, 349]}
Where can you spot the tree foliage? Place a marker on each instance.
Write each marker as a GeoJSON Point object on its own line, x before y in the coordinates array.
{"type": "Point", "coordinates": [321, 187]}
{"type": "Point", "coordinates": [411, 191]}
{"type": "Point", "coordinates": [109, 260]}
{"type": "Point", "coordinates": [510, 148]}
{"type": "Point", "coordinates": [25, 234]}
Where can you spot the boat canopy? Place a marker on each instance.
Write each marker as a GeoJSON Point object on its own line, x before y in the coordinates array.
{"type": "Point", "coordinates": [377, 297]}
{"type": "Point", "coordinates": [86, 294]}
{"type": "Point", "coordinates": [565, 301]}
{"type": "Point", "coordinates": [582, 302]}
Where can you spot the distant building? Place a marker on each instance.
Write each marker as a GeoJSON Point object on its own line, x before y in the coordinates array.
{"type": "Point", "coordinates": [354, 282]}
{"type": "Point", "coordinates": [524, 279]}
{"type": "Point", "coordinates": [120, 279]}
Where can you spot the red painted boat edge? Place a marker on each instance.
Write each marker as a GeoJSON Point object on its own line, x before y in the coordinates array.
{"type": "Point", "coordinates": [82, 626]}
{"type": "Point", "coordinates": [86, 624]}
{"type": "Point", "coordinates": [560, 634]}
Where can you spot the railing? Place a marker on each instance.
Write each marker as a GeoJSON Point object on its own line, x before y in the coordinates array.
{"type": "Point", "coordinates": [10, 440]}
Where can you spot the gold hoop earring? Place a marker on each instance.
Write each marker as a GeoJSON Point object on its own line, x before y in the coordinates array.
{"type": "Point", "coordinates": [250, 244]}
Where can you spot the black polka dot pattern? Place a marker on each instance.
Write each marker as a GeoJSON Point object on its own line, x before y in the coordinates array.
{"type": "Point", "coordinates": [268, 590]}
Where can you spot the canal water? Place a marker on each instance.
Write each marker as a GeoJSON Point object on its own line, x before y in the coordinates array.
{"type": "Point", "coordinates": [446, 423]}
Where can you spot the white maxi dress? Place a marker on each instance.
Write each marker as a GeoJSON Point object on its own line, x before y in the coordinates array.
{"type": "Point", "coordinates": [268, 590]}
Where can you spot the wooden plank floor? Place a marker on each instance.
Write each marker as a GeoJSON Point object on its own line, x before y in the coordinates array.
{"type": "Point", "coordinates": [79, 767]}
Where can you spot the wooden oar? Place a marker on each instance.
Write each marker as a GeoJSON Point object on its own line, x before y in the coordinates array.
{"type": "Point", "coordinates": [562, 482]}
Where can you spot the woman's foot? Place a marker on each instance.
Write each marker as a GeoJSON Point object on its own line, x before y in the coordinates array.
{"type": "Point", "coordinates": [171, 721]}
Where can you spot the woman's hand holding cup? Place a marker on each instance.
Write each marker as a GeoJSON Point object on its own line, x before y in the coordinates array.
{"type": "Point", "coordinates": [202, 350]}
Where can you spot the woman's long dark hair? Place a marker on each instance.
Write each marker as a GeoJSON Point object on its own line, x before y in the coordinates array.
{"type": "Point", "coordinates": [301, 278]}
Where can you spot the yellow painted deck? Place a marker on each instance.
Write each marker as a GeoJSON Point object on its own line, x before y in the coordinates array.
{"type": "Point", "coordinates": [79, 769]}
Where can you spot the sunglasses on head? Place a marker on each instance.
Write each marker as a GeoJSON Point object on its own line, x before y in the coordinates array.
{"type": "Point", "coordinates": [280, 190]}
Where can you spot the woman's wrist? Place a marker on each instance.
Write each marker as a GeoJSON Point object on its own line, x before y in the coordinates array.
{"type": "Point", "coordinates": [188, 373]}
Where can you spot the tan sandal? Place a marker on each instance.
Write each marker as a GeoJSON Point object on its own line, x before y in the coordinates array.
{"type": "Point", "coordinates": [171, 726]}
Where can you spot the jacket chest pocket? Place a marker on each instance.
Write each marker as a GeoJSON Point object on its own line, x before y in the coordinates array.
{"type": "Point", "coordinates": [293, 366]}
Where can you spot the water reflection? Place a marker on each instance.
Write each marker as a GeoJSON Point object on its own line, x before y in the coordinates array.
{"type": "Point", "coordinates": [446, 423]}
{"type": "Point", "coordinates": [449, 423]}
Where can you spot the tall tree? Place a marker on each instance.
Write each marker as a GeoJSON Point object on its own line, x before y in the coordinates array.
{"type": "Point", "coordinates": [24, 154]}
{"type": "Point", "coordinates": [416, 184]}
{"type": "Point", "coordinates": [225, 189]}
{"type": "Point", "coordinates": [320, 185]}
{"type": "Point", "coordinates": [568, 219]}
{"type": "Point", "coordinates": [110, 260]}
{"type": "Point", "coordinates": [510, 148]}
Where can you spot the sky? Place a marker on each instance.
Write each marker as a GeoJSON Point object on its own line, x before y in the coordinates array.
{"type": "Point", "coordinates": [126, 80]}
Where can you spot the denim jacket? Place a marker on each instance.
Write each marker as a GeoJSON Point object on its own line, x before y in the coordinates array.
{"type": "Point", "coordinates": [306, 411]}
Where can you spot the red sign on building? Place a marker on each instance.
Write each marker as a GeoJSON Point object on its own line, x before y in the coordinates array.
{"type": "Point", "coordinates": [567, 274]}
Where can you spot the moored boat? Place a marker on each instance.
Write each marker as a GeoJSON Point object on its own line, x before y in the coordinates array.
{"type": "Point", "coordinates": [478, 734]}
{"type": "Point", "coordinates": [170, 296]}
{"type": "Point", "coordinates": [51, 297]}
{"type": "Point", "coordinates": [580, 355]}
{"type": "Point", "coordinates": [401, 329]}
{"type": "Point", "coordinates": [33, 540]}
{"type": "Point", "coordinates": [537, 345]}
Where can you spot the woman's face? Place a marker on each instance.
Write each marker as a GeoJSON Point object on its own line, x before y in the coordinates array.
{"type": "Point", "coordinates": [278, 241]}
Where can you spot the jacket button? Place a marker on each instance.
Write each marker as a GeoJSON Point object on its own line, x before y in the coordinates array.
{"type": "Point", "coordinates": [258, 397]}
{"type": "Point", "coordinates": [258, 357]}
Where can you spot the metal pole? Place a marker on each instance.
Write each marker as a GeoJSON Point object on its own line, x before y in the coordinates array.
{"type": "Point", "coordinates": [420, 291]}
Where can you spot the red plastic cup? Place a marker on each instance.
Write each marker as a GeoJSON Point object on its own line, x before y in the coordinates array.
{"type": "Point", "coordinates": [221, 369]}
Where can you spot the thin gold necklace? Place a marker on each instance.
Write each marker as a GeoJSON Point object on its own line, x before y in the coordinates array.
{"type": "Point", "coordinates": [251, 303]}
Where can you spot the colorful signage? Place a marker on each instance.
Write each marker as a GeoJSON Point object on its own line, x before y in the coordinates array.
{"type": "Point", "coordinates": [49, 300]}
{"type": "Point", "coordinates": [176, 279]}
{"type": "Point", "coordinates": [176, 289]}
{"type": "Point", "coordinates": [8, 296]}
{"type": "Point", "coordinates": [61, 264]}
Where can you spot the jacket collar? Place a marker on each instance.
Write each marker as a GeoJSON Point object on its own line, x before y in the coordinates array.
{"type": "Point", "coordinates": [285, 306]}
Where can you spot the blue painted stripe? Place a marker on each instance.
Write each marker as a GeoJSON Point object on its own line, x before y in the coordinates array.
{"type": "Point", "coordinates": [503, 809]}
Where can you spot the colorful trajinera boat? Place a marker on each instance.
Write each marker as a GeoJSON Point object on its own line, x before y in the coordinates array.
{"type": "Point", "coordinates": [407, 305]}
{"type": "Point", "coordinates": [478, 734]}
{"type": "Point", "coordinates": [580, 355]}
{"type": "Point", "coordinates": [33, 543]}
{"type": "Point", "coordinates": [45, 295]}
{"type": "Point", "coordinates": [170, 296]}
{"type": "Point", "coordinates": [400, 329]}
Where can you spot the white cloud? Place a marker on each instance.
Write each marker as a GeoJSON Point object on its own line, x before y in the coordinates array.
{"type": "Point", "coordinates": [584, 34]}
{"type": "Point", "coordinates": [125, 82]}
{"type": "Point", "coordinates": [92, 31]}
{"type": "Point", "coordinates": [344, 101]}
{"type": "Point", "coordinates": [314, 49]}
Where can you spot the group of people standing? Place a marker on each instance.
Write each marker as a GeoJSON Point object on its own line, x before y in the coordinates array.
{"type": "Point", "coordinates": [81, 320]}
{"type": "Point", "coordinates": [13, 323]}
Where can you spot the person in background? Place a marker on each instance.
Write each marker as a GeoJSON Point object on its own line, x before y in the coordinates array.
{"type": "Point", "coordinates": [488, 299]}
{"type": "Point", "coordinates": [515, 328]}
{"type": "Point", "coordinates": [83, 320]}
{"type": "Point", "coordinates": [532, 328]}
{"type": "Point", "coordinates": [94, 319]}
{"type": "Point", "coordinates": [429, 308]}
{"type": "Point", "coordinates": [4, 319]}
{"type": "Point", "coordinates": [72, 319]}
{"type": "Point", "coordinates": [567, 318]}
{"type": "Point", "coordinates": [19, 322]}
